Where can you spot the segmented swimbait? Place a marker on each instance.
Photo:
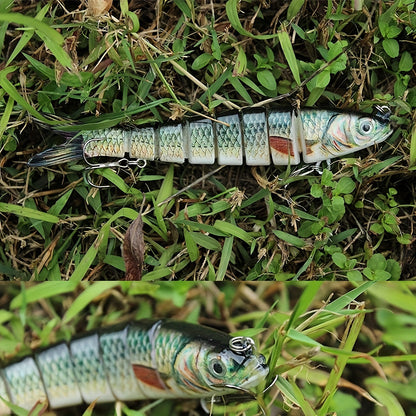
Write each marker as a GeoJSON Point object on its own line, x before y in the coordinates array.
{"type": "Point", "coordinates": [256, 136]}
{"type": "Point", "coordinates": [145, 359]}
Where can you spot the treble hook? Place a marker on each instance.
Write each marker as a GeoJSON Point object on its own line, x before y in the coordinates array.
{"type": "Point", "coordinates": [308, 169]}
{"type": "Point", "coordinates": [383, 112]}
{"type": "Point", "coordinates": [122, 163]}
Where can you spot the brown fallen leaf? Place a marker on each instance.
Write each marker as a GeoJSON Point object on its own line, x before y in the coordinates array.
{"type": "Point", "coordinates": [99, 7]}
{"type": "Point", "coordinates": [133, 250]}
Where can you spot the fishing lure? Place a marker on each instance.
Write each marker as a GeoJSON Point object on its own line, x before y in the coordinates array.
{"type": "Point", "coordinates": [254, 136]}
{"type": "Point", "coordinates": [148, 359]}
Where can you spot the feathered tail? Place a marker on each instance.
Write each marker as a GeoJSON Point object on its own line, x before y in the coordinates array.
{"type": "Point", "coordinates": [71, 150]}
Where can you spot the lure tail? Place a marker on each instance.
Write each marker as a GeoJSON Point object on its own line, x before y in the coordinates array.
{"type": "Point", "coordinates": [72, 150]}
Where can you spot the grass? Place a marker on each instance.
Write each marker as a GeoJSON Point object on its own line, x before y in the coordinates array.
{"type": "Point", "coordinates": [340, 348]}
{"type": "Point", "coordinates": [142, 64]}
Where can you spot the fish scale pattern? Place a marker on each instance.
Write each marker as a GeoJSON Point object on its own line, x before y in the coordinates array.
{"type": "Point", "coordinates": [229, 140]}
{"type": "Point", "coordinates": [314, 124]}
{"type": "Point", "coordinates": [110, 143]}
{"type": "Point", "coordinates": [201, 142]}
{"type": "Point", "coordinates": [58, 376]}
{"type": "Point", "coordinates": [317, 145]}
{"type": "Point", "coordinates": [117, 361]}
{"type": "Point", "coordinates": [171, 144]}
{"type": "Point", "coordinates": [256, 139]}
{"type": "Point", "coordinates": [142, 143]}
{"type": "Point", "coordinates": [89, 369]}
{"type": "Point", "coordinates": [169, 344]}
{"type": "Point", "coordinates": [24, 383]}
{"type": "Point", "coordinates": [279, 123]}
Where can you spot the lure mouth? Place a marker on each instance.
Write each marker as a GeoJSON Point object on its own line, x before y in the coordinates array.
{"type": "Point", "coordinates": [257, 375]}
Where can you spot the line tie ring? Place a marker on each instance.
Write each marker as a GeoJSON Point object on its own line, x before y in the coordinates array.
{"type": "Point", "coordinates": [241, 345]}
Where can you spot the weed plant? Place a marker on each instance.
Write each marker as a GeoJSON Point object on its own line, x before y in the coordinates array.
{"type": "Point", "coordinates": [157, 62]}
{"type": "Point", "coordinates": [336, 348]}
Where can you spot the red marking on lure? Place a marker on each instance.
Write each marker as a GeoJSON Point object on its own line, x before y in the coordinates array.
{"type": "Point", "coordinates": [148, 376]}
{"type": "Point", "coordinates": [282, 145]}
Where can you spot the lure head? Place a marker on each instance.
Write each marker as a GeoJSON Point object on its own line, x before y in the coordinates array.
{"type": "Point", "coordinates": [351, 132]}
{"type": "Point", "coordinates": [344, 133]}
{"type": "Point", "coordinates": [220, 367]}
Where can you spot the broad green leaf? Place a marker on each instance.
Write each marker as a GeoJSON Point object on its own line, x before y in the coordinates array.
{"type": "Point", "coordinates": [339, 259]}
{"type": "Point", "coordinates": [344, 186]}
{"type": "Point", "coordinates": [267, 79]}
{"type": "Point", "coordinates": [406, 62]}
{"type": "Point", "coordinates": [392, 48]}
{"type": "Point", "coordinates": [201, 61]}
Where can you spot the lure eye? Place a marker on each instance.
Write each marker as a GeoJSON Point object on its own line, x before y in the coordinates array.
{"type": "Point", "coordinates": [217, 367]}
{"type": "Point", "coordinates": [366, 126]}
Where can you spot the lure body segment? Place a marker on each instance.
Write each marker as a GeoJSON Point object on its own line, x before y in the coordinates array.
{"type": "Point", "coordinates": [256, 137]}
{"type": "Point", "coordinates": [142, 360]}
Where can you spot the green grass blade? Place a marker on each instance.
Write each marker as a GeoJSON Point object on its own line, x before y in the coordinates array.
{"type": "Point", "coordinates": [86, 297]}
{"type": "Point", "coordinates": [191, 245]}
{"type": "Point", "coordinates": [388, 400]}
{"type": "Point", "coordinates": [53, 40]}
{"type": "Point", "coordinates": [294, 7]}
{"type": "Point", "coordinates": [232, 229]}
{"type": "Point", "coordinates": [412, 155]}
{"type": "Point", "coordinates": [88, 258]}
{"type": "Point", "coordinates": [27, 35]}
{"type": "Point", "coordinates": [11, 90]}
{"type": "Point", "coordinates": [289, 238]}
{"type": "Point", "coordinates": [287, 48]}
{"type": "Point", "coordinates": [28, 212]}
{"type": "Point", "coordinates": [225, 258]}
{"type": "Point", "coordinates": [6, 115]}
{"type": "Point", "coordinates": [42, 290]}
{"type": "Point", "coordinates": [231, 8]}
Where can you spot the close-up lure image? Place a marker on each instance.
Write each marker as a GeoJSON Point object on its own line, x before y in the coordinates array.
{"type": "Point", "coordinates": [247, 349]}
{"type": "Point", "coordinates": [143, 360]}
